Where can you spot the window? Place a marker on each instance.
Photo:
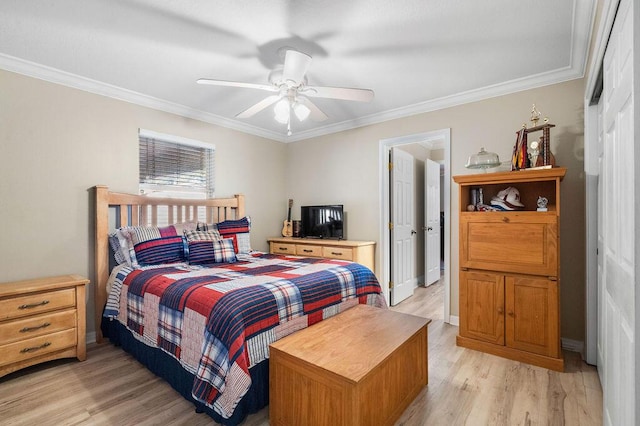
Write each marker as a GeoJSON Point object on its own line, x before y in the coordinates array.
{"type": "Point", "coordinates": [175, 167]}
{"type": "Point", "coordinates": [171, 166]}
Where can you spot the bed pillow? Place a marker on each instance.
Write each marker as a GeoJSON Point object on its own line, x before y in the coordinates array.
{"type": "Point", "coordinates": [239, 230]}
{"type": "Point", "coordinates": [122, 244]}
{"type": "Point", "coordinates": [119, 248]}
{"type": "Point", "coordinates": [152, 245]}
{"type": "Point", "coordinates": [200, 246]}
{"type": "Point", "coordinates": [223, 251]}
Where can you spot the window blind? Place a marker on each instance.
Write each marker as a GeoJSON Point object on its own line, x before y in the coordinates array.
{"type": "Point", "coordinates": [173, 167]}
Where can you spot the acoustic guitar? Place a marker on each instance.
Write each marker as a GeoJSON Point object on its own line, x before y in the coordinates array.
{"type": "Point", "coordinates": [287, 229]}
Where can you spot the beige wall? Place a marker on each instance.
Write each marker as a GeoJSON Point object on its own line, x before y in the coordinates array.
{"type": "Point", "coordinates": [57, 142]}
{"type": "Point", "coordinates": [343, 168]}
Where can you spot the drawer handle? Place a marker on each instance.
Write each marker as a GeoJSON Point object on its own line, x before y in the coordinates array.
{"type": "Point", "coordinates": [307, 251]}
{"type": "Point", "coordinates": [33, 305]}
{"type": "Point", "coordinates": [505, 219]}
{"type": "Point", "coordinates": [283, 248]}
{"type": "Point", "coordinates": [38, 327]}
{"type": "Point", "coordinates": [35, 348]}
{"type": "Point", "coordinates": [336, 253]}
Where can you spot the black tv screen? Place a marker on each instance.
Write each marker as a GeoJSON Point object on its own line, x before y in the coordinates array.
{"type": "Point", "coordinates": [322, 221]}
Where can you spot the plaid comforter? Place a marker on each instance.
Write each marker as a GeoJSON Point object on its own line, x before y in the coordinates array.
{"type": "Point", "coordinates": [218, 322]}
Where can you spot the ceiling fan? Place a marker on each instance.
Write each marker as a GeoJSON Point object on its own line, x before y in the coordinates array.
{"type": "Point", "coordinates": [291, 92]}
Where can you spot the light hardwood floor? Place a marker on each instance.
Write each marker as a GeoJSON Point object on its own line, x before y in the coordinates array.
{"type": "Point", "coordinates": [465, 388]}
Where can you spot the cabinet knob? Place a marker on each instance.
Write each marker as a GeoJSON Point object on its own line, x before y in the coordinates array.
{"type": "Point", "coordinates": [500, 311]}
{"type": "Point", "coordinates": [505, 219]}
{"type": "Point", "coordinates": [510, 313]}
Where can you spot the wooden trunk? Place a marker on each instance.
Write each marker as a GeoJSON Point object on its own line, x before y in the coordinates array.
{"type": "Point", "coordinates": [361, 367]}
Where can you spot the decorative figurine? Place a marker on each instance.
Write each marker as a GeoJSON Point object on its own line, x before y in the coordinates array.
{"type": "Point", "coordinates": [535, 115]}
{"type": "Point", "coordinates": [542, 204]}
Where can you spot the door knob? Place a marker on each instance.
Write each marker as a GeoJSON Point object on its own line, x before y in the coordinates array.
{"type": "Point", "coordinates": [429, 229]}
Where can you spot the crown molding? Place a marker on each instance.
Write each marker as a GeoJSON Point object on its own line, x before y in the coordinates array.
{"type": "Point", "coordinates": [582, 25]}
{"type": "Point", "coordinates": [501, 89]}
{"type": "Point", "coordinates": [583, 20]}
{"type": "Point", "coordinates": [54, 75]}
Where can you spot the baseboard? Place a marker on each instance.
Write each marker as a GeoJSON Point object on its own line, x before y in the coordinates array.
{"type": "Point", "coordinates": [91, 337]}
{"type": "Point", "coordinates": [572, 345]}
{"type": "Point", "coordinates": [454, 320]}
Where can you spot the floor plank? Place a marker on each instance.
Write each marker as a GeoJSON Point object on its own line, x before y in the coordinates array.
{"type": "Point", "coordinates": [466, 387]}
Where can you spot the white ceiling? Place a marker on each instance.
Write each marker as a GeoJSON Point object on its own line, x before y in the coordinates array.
{"type": "Point", "coordinates": [417, 55]}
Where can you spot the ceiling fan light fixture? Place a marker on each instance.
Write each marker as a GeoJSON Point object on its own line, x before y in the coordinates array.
{"type": "Point", "coordinates": [301, 111]}
{"type": "Point", "coordinates": [282, 111]}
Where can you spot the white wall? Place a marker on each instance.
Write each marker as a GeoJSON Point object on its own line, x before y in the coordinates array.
{"type": "Point", "coordinates": [57, 142]}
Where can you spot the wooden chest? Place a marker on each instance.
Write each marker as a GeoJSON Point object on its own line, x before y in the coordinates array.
{"type": "Point", "coordinates": [362, 367]}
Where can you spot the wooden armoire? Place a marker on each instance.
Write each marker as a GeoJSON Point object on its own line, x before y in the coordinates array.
{"type": "Point", "coordinates": [510, 268]}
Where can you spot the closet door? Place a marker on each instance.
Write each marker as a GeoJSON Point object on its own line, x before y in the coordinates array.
{"type": "Point", "coordinates": [618, 245]}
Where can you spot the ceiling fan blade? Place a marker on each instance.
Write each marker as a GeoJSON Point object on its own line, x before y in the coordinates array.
{"type": "Point", "coordinates": [315, 113]}
{"type": "Point", "coordinates": [253, 110]}
{"type": "Point", "coordinates": [344, 93]}
{"type": "Point", "coordinates": [296, 65]}
{"type": "Point", "coordinates": [267, 87]}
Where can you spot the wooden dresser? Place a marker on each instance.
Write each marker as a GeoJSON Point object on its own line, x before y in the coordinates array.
{"type": "Point", "coordinates": [41, 320]}
{"type": "Point", "coordinates": [362, 252]}
{"type": "Point", "coordinates": [510, 269]}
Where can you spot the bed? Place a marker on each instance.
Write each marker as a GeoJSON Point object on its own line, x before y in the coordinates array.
{"type": "Point", "coordinates": [197, 306]}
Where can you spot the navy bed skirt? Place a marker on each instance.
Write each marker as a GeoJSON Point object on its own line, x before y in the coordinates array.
{"type": "Point", "coordinates": [168, 368]}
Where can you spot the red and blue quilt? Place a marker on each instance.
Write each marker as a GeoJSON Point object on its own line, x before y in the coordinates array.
{"type": "Point", "coordinates": [218, 321]}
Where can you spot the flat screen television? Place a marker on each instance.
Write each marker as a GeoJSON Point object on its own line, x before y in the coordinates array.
{"type": "Point", "coordinates": [322, 221]}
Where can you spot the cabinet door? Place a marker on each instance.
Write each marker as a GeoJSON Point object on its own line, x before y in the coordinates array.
{"type": "Point", "coordinates": [482, 306]}
{"type": "Point", "coordinates": [519, 242]}
{"type": "Point", "coordinates": [532, 322]}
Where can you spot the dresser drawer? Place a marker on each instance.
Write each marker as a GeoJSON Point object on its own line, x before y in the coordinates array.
{"type": "Point", "coordinates": [281, 248]}
{"type": "Point", "coordinates": [31, 304]}
{"type": "Point", "coordinates": [337, 253]}
{"type": "Point", "coordinates": [37, 346]}
{"type": "Point", "coordinates": [26, 328]}
{"type": "Point", "coordinates": [307, 250]}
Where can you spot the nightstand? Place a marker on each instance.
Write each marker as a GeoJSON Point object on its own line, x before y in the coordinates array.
{"type": "Point", "coordinates": [42, 320]}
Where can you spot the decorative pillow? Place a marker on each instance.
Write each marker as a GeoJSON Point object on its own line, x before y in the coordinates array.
{"type": "Point", "coordinates": [210, 235]}
{"type": "Point", "coordinates": [223, 251]}
{"type": "Point", "coordinates": [234, 226]}
{"type": "Point", "coordinates": [124, 250]}
{"type": "Point", "coordinates": [239, 230]}
{"type": "Point", "coordinates": [153, 246]}
{"type": "Point", "coordinates": [120, 253]}
{"type": "Point", "coordinates": [200, 245]}
{"type": "Point", "coordinates": [207, 226]}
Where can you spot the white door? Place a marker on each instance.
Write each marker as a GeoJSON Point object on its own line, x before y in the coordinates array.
{"type": "Point", "coordinates": [402, 228]}
{"type": "Point", "coordinates": [618, 262]}
{"type": "Point", "coordinates": [432, 222]}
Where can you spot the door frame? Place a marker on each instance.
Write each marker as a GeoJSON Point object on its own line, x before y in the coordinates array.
{"type": "Point", "coordinates": [385, 146]}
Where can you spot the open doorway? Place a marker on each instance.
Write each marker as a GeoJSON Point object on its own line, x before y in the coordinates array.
{"type": "Point", "coordinates": [439, 143]}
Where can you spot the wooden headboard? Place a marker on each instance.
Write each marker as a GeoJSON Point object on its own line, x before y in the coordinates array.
{"type": "Point", "coordinates": [140, 210]}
